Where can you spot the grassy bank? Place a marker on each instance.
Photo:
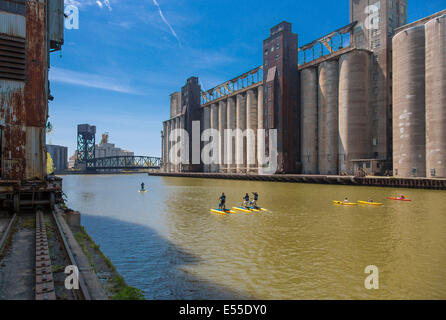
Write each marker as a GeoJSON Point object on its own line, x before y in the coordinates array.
{"type": "Point", "coordinates": [114, 285]}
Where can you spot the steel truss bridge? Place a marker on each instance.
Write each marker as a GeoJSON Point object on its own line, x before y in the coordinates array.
{"type": "Point", "coordinates": [124, 162]}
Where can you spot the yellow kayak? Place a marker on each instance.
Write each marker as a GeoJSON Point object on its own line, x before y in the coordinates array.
{"type": "Point", "coordinates": [345, 203]}
{"type": "Point", "coordinates": [257, 209]}
{"type": "Point", "coordinates": [371, 203]}
{"type": "Point", "coordinates": [242, 209]}
{"type": "Point", "coordinates": [223, 212]}
{"type": "Point", "coordinates": [142, 191]}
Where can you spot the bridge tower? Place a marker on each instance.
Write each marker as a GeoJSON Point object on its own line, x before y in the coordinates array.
{"type": "Point", "coordinates": [86, 141]}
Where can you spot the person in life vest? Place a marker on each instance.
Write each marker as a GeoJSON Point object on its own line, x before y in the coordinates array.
{"type": "Point", "coordinates": [256, 198]}
{"type": "Point", "coordinates": [246, 200]}
{"type": "Point", "coordinates": [222, 205]}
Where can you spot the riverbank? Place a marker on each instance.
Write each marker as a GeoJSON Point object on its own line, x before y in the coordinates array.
{"type": "Point", "coordinates": [391, 182]}
{"type": "Point", "coordinates": [47, 242]}
{"type": "Point", "coordinates": [112, 283]}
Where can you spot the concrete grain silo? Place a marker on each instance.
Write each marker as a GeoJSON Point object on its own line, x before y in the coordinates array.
{"type": "Point", "coordinates": [409, 118]}
{"type": "Point", "coordinates": [177, 143]}
{"type": "Point", "coordinates": [354, 129]}
{"type": "Point", "coordinates": [206, 125]}
{"type": "Point", "coordinates": [260, 111]}
{"type": "Point", "coordinates": [164, 146]}
{"type": "Point", "coordinates": [240, 140]}
{"type": "Point", "coordinates": [328, 117]}
{"type": "Point", "coordinates": [251, 121]}
{"type": "Point", "coordinates": [436, 97]}
{"type": "Point", "coordinates": [309, 118]}
{"type": "Point", "coordinates": [167, 146]}
{"type": "Point", "coordinates": [222, 125]}
{"type": "Point", "coordinates": [214, 125]}
{"type": "Point", "coordinates": [230, 142]}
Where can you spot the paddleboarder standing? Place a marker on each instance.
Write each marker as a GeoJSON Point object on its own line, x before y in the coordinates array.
{"type": "Point", "coordinates": [256, 198]}
{"type": "Point", "coordinates": [222, 205]}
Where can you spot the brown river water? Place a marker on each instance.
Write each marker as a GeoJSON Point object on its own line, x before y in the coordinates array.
{"type": "Point", "coordinates": [167, 243]}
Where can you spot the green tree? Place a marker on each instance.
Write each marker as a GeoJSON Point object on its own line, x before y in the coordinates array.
{"type": "Point", "coordinates": [49, 164]}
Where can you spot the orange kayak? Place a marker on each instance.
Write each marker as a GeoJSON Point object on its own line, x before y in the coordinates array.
{"type": "Point", "coordinates": [398, 199]}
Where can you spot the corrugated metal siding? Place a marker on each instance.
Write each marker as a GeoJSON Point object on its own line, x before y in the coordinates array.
{"type": "Point", "coordinates": [14, 6]}
{"type": "Point", "coordinates": [12, 24]}
{"type": "Point", "coordinates": [12, 113]}
{"type": "Point", "coordinates": [35, 153]}
{"type": "Point", "coordinates": [36, 87]}
{"type": "Point", "coordinates": [24, 105]}
{"type": "Point", "coordinates": [56, 23]}
{"type": "Point", "coordinates": [12, 118]}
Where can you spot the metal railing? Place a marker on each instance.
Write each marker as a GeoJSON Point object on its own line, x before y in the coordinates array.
{"type": "Point", "coordinates": [326, 45]}
{"type": "Point", "coordinates": [227, 88]}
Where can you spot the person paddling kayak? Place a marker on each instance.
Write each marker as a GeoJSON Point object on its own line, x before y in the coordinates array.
{"type": "Point", "coordinates": [142, 186]}
{"type": "Point", "coordinates": [222, 205]}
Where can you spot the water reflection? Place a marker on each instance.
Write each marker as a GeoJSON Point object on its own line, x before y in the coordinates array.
{"type": "Point", "coordinates": [151, 262]}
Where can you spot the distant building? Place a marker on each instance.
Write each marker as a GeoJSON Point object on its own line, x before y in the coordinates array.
{"type": "Point", "coordinates": [59, 154]}
{"type": "Point", "coordinates": [106, 149]}
{"type": "Point", "coordinates": [72, 160]}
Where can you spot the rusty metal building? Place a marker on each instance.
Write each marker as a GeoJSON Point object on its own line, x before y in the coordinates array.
{"type": "Point", "coordinates": [337, 101]}
{"type": "Point", "coordinates": [29, 31]}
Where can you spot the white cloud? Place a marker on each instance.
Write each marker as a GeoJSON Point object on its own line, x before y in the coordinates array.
{"type": "Point", "coordinates": [86, 3]}
{"type": "Point", "coordinates": [102, 3]}
{"type": "Point", "coordinates": [89, 80]}
{"type": "Point", "coordinates": [166, 22]}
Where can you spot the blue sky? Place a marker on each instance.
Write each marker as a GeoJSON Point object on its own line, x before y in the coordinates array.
{"type": "Point", "coordinates": [119, 68]}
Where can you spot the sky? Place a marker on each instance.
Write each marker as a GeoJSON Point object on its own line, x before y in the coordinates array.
{"type": "Point", "coordinates": [118, 69]}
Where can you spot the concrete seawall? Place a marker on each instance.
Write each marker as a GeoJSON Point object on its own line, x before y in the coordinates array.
{"type": "Point", "coordinates": [391, 182]}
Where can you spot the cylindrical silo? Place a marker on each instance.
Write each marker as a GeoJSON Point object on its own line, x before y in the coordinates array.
{"type": "Point", "coordinates": [177, 145]}
{"type": "Point", "coordinates": [328, 134]}
{"type": "Point", "coordinates": [183, 145]}
{"type": "Point", "coordinates": [165, 137]}
{"type": "Point", "coordinates": [251, 122]}
{"type": "Point", "coordinates": [169, 163]}
{"type": "Point", "coordinates": [206, 126]}
{"type": "Point", "coordinates": [222, 124]}
{"type": "Point", "coordinates": [168, 144]}
{"type": "Point", "coordinates": [409, 117]}
{"type": "Point", "coordinates": [166, 147]}
{"type": "Point", "coordinates": [436, 97]}
{"type": "Point", "coordinates": [260, 155]}
{"type": "Point", "coordinates": [214, 126]}
{"type": "Point", "coordinates": [230, 142]}
{"type": "Point", "coordinates": [309, 118]}
{"type": "Point", "coordinates": [354, 129]}
{"type": "Point", "coordinates": [240, 144]}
